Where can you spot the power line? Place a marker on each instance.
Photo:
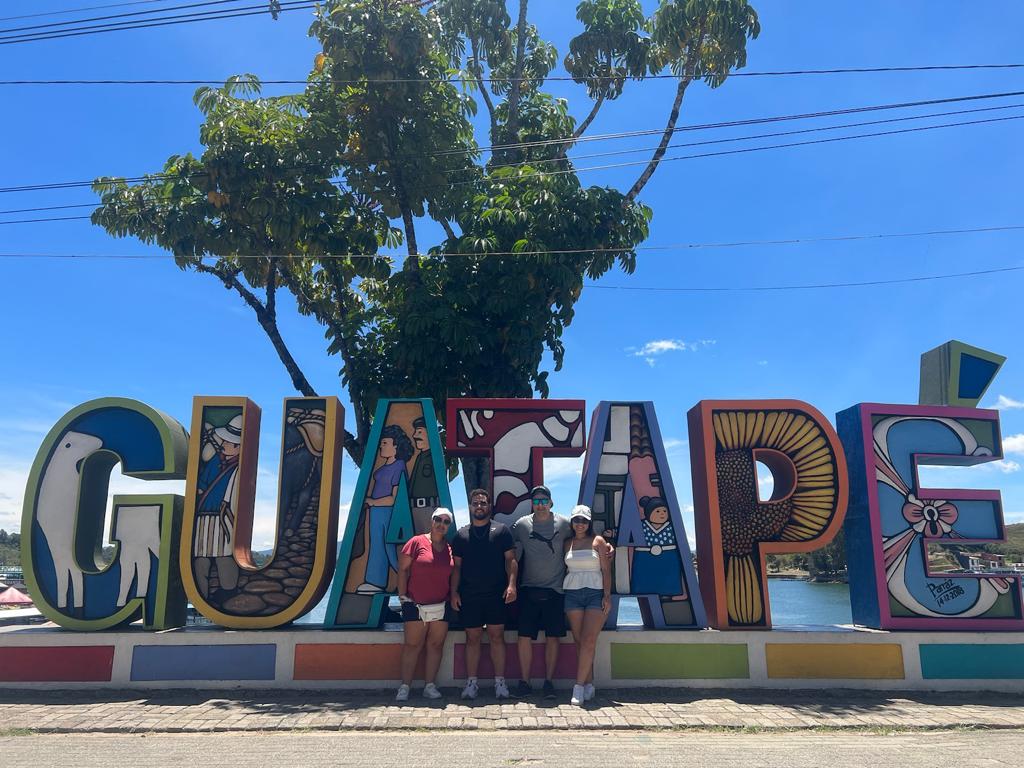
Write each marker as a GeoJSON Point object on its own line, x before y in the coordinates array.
{"type": "Point", "coordinates": [551, 78]}
{"type": "Point", "coordinates": [80, 10]}
{"type": "Point", "coordinates": [596, 137]}
{"type": "Point", "coordinates": [804, 287]}
{"type": "Point", "coordinates": [565, 252]}
{"type": "Point", "coordinates": [295, 5]}
{"type": "Point", "coordinates": [204, 4]}
{"type": "Point", "coordinates": [721, 153]}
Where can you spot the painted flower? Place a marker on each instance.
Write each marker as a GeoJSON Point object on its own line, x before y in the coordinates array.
{"type": "Point", "coordinates": [932, 518]}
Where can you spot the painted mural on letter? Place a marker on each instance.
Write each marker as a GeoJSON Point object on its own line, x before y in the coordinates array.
{"type": "Point", "coordinates": [628, 485]}
{"type": "Point", "coordinates": [515, 435]}
{"type": "Point", "coordinates": [220, 573]}
{"type": "Point", "coordinates": [402, 481]}
{"type": "Point", "coordinates": [736, 529]}
{"type": "Point", "coordinates": [64, 512]}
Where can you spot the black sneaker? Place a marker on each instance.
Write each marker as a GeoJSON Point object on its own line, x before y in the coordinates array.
{"type": "Point", "coordinates": [523, 690]}
{"type": "Point", "coordinates": [549, 690]}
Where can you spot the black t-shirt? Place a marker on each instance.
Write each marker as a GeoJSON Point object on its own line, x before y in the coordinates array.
{"type": "Point", "coordinates": [482, 550]}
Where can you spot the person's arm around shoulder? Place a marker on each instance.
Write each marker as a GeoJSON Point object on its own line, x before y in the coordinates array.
{"type": "Point", "coordinates": [606, 573]}
{"type": "Point", "coordinates": [453, 585]}
{"type": "Point", "coordinates": [405, 568]}
{"type": "Point", "coordinates": [511, 567]}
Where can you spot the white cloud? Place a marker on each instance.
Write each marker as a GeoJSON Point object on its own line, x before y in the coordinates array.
{"type": "Point", "coordinates": [655, 347]}
{"type": "Point", "coordinates": [13, 476]}
{"type": "Point", "coordinates": [1004, 403]}
{"type": "Point", "coordinates": [1006, 466]}
{"type": "Point", "coordinates": [762, 362]}
{"type": "Point", "coordinates": [559, 469]}
{"type": "Point", "coordinates": [1014, 444]}
{"type": "Point", "coordinates": [675, 444]}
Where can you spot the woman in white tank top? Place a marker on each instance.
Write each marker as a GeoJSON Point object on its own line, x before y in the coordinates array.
{"type": "Point", "coordinates": [588, 590]}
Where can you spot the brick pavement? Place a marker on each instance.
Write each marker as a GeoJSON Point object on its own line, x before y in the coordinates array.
{"type": "Point", "coordinates": [177, 711]}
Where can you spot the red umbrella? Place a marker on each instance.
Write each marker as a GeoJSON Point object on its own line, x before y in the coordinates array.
{"type": "Point", "coordinates": [11, 596]}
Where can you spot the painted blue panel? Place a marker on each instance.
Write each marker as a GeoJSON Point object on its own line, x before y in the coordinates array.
{"type": "Point", "coordinates": [975, 375]}
{"type": "Point", "coordinates": [962, 661]}
{"type": "Point", "coordinates": [204, 662]}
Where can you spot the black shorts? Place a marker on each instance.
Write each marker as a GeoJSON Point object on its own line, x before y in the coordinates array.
{"type": "Point", "coordinates": [478, 611]}
{"type": "Point", "coordinates": [411, 612]}
{"type": "Point", "coordinates": [541, 609]}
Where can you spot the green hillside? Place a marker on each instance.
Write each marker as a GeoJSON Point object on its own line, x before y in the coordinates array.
{"type": "Point", "coordinates": [1013, 547]}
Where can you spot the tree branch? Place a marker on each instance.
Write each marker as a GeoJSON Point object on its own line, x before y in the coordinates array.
{"type": "Point", "coordinates": [652, 166]}
{"type": "Point", "coordinates": [267, 322]}
{"type": "Point", "coordinates": [354, 444]}
{"type": "Point", "coordinates": [515, 93]}
{"type": "Point", "coordinates": [479, 75]}
{"type": "Point", "coordinates": [582, 128]}
{"type": "Point", "coordinates": [448, 229]}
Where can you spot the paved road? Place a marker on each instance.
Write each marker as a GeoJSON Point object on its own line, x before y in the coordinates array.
{"type": "Point", "coordinates": [529, 749]}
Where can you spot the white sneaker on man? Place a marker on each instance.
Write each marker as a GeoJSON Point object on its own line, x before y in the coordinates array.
{"type": "Point", "coordinates": [578, 697]}
{"type": "Point", "coordinates": [471, 689]}
{"type": "Point", "coordinates": [403, 693]}
{"type": "Point", "coordinates": [430, 691]}
{"type": "Point", "coordinates": [588, 691]}
{"type": "Point", "coordinates": [500, 688]}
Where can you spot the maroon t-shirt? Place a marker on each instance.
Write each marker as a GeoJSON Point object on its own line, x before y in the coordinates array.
{"type": "Point", "coordinates": [431, 572]}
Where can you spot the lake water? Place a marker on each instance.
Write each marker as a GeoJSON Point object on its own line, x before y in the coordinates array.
{"type": "Point", "coordinates": [793, 602]}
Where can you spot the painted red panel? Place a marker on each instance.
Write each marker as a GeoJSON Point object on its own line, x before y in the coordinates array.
{"type": "Point", "coordinates": [59, 664]}
{"type": "Point", "coordinates": [565, 667]}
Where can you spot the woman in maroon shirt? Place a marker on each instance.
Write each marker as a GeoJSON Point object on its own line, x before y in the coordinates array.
{"type": "Point", "coordinates": [424, 578]}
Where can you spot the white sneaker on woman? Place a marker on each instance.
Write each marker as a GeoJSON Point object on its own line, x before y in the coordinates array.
{"type": "Point", "coordinates": [430, 691]}
{"type": "Point", "coordinates": [577, 696]}
{"type": "Point", "coordinates": [588, 691]}
{"type": "Point", "coordinates": [403, 693]}
{"type": "Point", "coordinates": [500, 688]}
{"type": "Point", "coordinates": [471, 689]}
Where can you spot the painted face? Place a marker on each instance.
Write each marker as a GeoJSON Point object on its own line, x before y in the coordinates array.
{"type": "Point", "coordinates": [387, 448]}
{"type": "Point", "coordinates": [480, 507]}
{"type": "Point", "coordinates": [659, 515]}
{"type": "Point", "coordinates": [419, 439]}
{"type": "Point", "coordinates": [230, 449]}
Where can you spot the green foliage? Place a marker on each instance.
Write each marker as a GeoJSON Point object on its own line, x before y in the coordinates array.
{"type": "Point", "coordinates": [10, 549]}
{"type": "Point", "coordinates": [288, 187]}
{"type": "Point", "coordinates": [702, 39]}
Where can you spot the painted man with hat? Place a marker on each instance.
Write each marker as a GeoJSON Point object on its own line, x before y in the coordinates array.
{"type": "Point", "coordinates": [216, 492]}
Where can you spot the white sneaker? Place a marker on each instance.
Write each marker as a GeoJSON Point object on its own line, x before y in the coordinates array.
{"type": "Point", "coordinates": [471, 689]}
{"type": "Point", "coordinates": [588, 691]}
{"type": "Point", "coordinates": [430, 691]}
{"type": "Point", "coordinates": [403, 693]}
{"type": "Point", "coordinates": [578, 697]}
{"type": "Point", "coordinates": [500, 689]}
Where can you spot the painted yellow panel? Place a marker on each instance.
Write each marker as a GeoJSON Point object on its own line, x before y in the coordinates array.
{"type": "Point", "coordinates": [862, 661]}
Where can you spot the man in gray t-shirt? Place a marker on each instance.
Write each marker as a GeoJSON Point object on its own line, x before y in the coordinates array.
{"type": "Point", "coordinates": [540, 546]}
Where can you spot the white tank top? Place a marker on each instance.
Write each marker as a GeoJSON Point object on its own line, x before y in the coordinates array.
{"type": "Point", "coordinates": [583, 569]}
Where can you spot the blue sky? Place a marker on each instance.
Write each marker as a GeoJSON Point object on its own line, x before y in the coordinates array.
{"type": "Point", "coordinates": [80, 329]}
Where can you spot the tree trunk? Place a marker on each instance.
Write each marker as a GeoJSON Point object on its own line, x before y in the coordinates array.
{"type": "Point", "coordinates": [665, 138]}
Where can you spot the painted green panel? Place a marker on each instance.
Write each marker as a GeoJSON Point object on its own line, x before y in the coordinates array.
{"type": "Point", "coordinates": [652, 661]}
{"type": "Point", "coordinates": [962, 661]}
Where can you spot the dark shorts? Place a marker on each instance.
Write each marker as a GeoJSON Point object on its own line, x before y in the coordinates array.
{"type": "Point", "coordinates": [479, 611]}
{"type": "Point", "coordinates": [410, 612]}
{"type": "Point", "coordinates": [541, 610]}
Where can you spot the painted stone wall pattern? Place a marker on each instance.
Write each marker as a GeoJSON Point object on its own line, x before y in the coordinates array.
{"type": "Point", "coordinates": [628, 485]}
{"type": "Point", "coordinates": [907, 545]}
{"type": "Point", "coordinates": [402, 481]}
{"type": "Point", "coordinates": [735, 528]}
{"type": "Point", "coordinates": [63, 517]}
{"type": "Point", "coordinates": [220, 574]}
{"type": "Point", "coordinates": [516, 435]}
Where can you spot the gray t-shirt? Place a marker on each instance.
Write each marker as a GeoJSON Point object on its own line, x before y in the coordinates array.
{"type": "Point", "coordinates": [540, 547]}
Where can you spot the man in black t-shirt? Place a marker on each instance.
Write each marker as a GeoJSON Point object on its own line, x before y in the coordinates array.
{"type": "Point", "coordinates": [483, 584]}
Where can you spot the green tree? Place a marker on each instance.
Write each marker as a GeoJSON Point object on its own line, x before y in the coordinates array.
{"type": "Point", "coordinates": [288, 188]}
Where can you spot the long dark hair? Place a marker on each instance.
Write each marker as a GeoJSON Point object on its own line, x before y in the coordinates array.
{"type": "Point", "coordinates": [403, 445]}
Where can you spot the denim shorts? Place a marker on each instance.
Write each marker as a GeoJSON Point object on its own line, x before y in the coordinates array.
{"type": "Point", "coordinates": [586, 599]}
